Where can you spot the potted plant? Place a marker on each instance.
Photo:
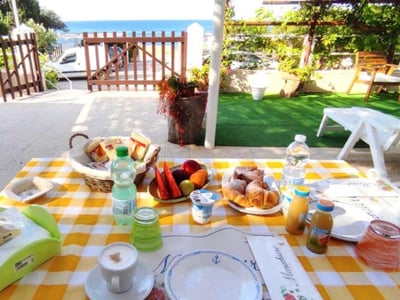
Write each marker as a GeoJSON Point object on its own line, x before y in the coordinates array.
{"type": "Point", "coordinates": [200, 76]}
{"type": "Point", "coordinates": [183, 107]}
{"type": "Point", "coordinates": [293, 75]}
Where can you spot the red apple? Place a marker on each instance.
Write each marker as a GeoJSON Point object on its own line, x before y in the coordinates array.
{"type": "Point", "coordinates": [191, 166]}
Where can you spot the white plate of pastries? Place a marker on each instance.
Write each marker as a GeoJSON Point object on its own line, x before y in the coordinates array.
{"type": "Point", "coordinates": [249, 190]}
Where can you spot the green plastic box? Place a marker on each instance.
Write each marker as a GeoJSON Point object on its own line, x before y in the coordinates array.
{"type": "Point", "coordinates": [34, 254]}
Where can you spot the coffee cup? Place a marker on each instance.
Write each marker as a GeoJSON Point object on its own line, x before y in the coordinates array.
{"type": "Point", "coordinates": [202, 206]}
{"type": "Point", "coordinates": [117, 265]}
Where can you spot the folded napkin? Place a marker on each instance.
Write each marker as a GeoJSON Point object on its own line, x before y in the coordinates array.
{"type": "Point", "coordinates": [282, 272]}
{"type": "Point", "coordinates": [355, 187]}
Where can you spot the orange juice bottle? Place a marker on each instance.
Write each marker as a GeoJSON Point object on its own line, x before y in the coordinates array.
{"type": "Point", "coordinates": [298, 210]}
{"type": "Point", "coordinates": [320, 227]}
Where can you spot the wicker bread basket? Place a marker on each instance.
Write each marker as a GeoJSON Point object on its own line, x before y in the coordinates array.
{"type": "Point", "coordinates": [99, 180]}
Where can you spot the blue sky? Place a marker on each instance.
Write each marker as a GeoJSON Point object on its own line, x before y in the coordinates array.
{"type": "Point", "coordinates": [77, 10]}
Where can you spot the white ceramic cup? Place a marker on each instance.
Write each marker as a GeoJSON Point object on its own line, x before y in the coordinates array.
{"type": "Point", "coordinates": [202, 206]}
{"type": "Point", "coordinates": [117, 265]}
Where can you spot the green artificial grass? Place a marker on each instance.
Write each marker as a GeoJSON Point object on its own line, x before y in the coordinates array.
{"type": "Point", "coordinates": [273, 121]}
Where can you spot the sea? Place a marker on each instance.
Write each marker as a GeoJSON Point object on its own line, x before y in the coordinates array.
{"type": "Point", "coordinates": [76, 28]}
{"type": "Point", "coordinates": [135, 25]}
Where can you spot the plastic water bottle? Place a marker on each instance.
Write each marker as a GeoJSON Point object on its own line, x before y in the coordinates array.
{"type": "Point", "coordinates": [297, 155]}
{"type": "Point", "coordinates": [123, 173]}
{"type": "Point", "coordinates": [294, 171]}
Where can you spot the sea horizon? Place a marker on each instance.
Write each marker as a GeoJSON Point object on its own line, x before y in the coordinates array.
{"type": "Point", "coordinates": [78, 27]}
{"type": "Point", "coordinates": [73, 37]}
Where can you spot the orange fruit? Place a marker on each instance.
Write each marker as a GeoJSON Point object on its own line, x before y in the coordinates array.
{"type": "Point", "coordinates": [199, 178]}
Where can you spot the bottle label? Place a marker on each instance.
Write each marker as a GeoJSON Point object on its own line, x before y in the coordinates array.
{"type": "Point", "coordinates": [319, 237]}
{"type": "Point", "coordinates": [296, 181]}
{"type": "Point", "coordinates": [302, 221]}
{"type": "Point", "coordinates": [287, 196]}
{"type": "Point", "coordinates": [122, 207]}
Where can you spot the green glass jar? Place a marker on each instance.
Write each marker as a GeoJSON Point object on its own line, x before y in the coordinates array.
{"type": "Point", "coordinates": [146, 231]}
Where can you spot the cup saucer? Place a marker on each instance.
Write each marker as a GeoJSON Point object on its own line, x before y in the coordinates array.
{"type": "Point", "coordinates": [143, 281]}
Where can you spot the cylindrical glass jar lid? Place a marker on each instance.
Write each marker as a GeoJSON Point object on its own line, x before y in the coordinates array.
{"type": "Point", "coordinates": [385, 229]}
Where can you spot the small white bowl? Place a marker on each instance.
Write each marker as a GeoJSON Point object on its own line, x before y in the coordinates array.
{"type": "Point", "coordinates": [28, 189]}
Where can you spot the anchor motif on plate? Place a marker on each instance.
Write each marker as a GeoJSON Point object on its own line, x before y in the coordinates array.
{"type": "Point", "coordinates": [216, 259]}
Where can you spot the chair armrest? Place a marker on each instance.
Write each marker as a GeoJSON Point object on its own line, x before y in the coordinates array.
{"type": "Point", "coordinates": [371, 68]}
{"type": "Point", "coordinates": [390, 68]}
{"type": "Point", "coordinates": [393, 66]}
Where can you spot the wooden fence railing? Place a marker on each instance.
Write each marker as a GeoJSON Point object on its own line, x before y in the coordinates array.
{"type": "Point", "coordinates": [19, 65]}
{"type": "Point", "coordinates": [146, 59]}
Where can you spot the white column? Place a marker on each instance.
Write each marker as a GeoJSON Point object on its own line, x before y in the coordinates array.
{"type": "Point", "coordinates": [214, 74]}
{"type": "Point", "coordinates": [195, 46]}
{"type": "Point", "coordinates": [15, 13]}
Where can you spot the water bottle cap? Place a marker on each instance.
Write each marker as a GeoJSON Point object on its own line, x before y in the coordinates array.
{"type": "Point", "coordinates": [325, 205]}
{"type": "Point", "coordinates": [301, 138]}
{"type": "Point", "coordinates": [302, 191]}
{"type": "Point", "coordinates": [122, 151]}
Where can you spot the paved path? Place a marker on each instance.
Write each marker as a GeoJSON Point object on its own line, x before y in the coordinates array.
{"type": "Point", "coordinates": [41, 125]}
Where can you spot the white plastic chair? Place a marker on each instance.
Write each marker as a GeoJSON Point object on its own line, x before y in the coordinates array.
{"type": "Point", "coordinates": [380, 131]}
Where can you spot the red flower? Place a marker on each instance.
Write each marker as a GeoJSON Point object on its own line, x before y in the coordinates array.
{"type": "Point", "coordinates": [156, 294]}
{"type": "Point", "coordinates": [289, 297]}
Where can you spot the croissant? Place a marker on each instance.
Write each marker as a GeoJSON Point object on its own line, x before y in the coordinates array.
{"type": "Point", "coordinates": [247, 188]}
{"type": "Point", "coordinates": [255, 193]}
{"type": "Point", "coordinates": [234, 191]}
{"type": "Point", "coordinates": [271, 198]}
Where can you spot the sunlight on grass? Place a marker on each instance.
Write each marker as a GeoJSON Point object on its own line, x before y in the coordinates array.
{"type": "Point", "coordinates": [275, 120]}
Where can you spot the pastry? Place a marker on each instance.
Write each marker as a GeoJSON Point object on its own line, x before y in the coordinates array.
{"type": "Point", "coordinates": [247, 188]}
{"type": "Point", "coordinates": [238, 171]}
{"type": "Point", "coordinates": [96, 152]}
{"type": "Point", "coordinates": [235, 192]}
{"type": "Point", "coordinates": [255, 193]}
{"type": "Point", "coordinates": [271, 198]}
{"type": "Point", "coordinates": [138, 144]}
{"type": "Point", "coordinates": [252, 175]}
{"type": "Point", "coordinates": [110, 145]}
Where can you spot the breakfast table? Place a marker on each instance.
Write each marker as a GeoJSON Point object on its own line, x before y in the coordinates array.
{"type": "Point", "coordinates": [86, 223]}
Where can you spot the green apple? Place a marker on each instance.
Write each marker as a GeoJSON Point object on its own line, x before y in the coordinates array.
{"type": "Point", "coordinates": [186, 187]}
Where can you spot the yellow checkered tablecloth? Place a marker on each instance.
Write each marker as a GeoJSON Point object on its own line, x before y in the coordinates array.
{"type": "Point", "coordinates": [86, 224]}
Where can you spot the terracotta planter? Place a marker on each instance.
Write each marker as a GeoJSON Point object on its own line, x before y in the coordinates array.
{"type": "Point", "coordinates": [290, 86]}
{"type": "Point", "coordinates": [185, 129]}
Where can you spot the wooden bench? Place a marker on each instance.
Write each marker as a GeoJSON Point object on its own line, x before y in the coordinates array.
{"type": "Point", "coordinates": [373, 70]}
{"type": "Point", "coordinates": [380, 131]}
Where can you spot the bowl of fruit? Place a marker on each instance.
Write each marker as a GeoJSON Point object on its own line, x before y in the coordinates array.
{"type": "Point", "coordinates": [172, 185]}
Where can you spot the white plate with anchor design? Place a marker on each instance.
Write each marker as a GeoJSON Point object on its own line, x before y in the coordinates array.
{"type": "Point", "coordinates": [208, 274]}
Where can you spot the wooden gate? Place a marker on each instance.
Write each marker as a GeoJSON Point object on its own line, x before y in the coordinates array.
{"type": "Point", "coordinates": [133, 62]}
{"type": "Point", "coordinates": [19, 64]}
